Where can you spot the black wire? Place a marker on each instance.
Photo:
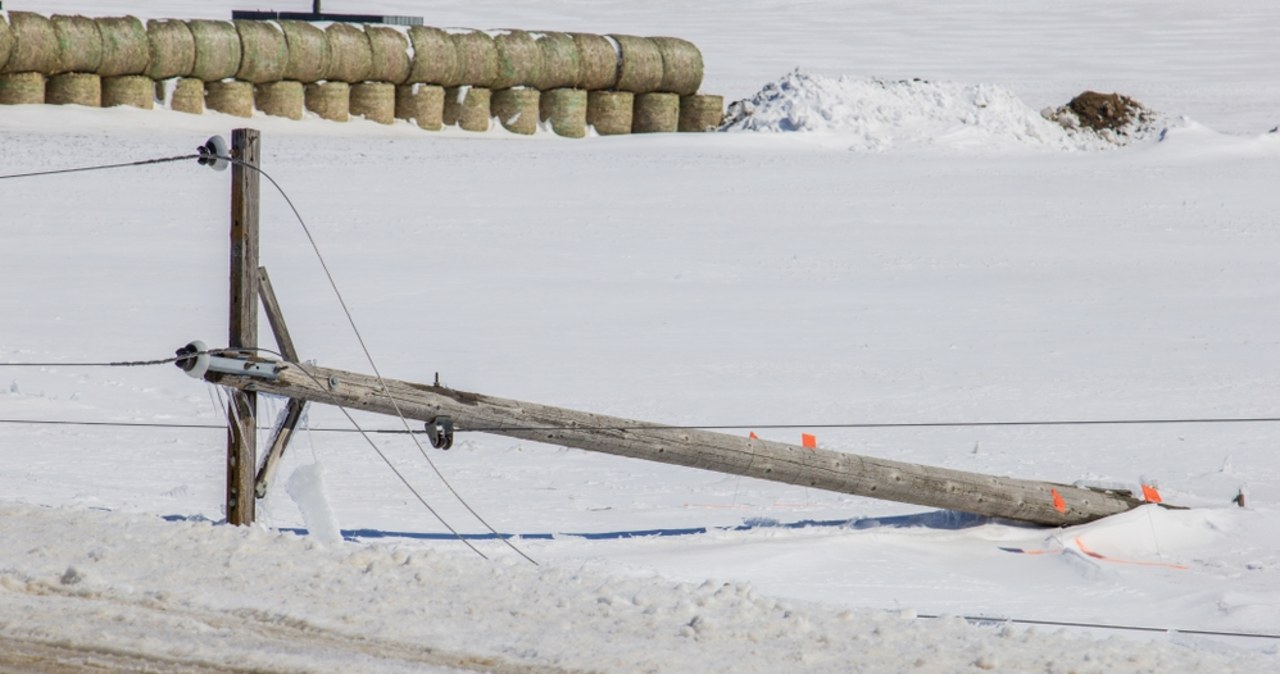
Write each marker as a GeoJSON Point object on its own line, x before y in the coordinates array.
{"type": "Point", "coordinates": [116, 363]}
{"type": "Point", "coordinates": [101, 167]}
{"type": "Point", "coordinates": [905, 424]}
{"type": "Point", "coordinates": [1101, 626]}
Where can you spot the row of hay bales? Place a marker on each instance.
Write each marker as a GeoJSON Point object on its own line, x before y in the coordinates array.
{"type": "Point", "coordinates": [616, 83]}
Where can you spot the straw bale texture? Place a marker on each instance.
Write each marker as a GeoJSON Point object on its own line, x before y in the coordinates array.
{"type": "Point", "coordinates": [231, 97]}
{"type": "Point", "coordinates": [79, 44]}
{"type": "Point", "coordinates": [375, 101]}
{"type": "Point", "coordinates": [435, 60]}
{"type": "Point", "coordinates": [468, 107]}
{"type": "Point", "coordinates": [681, 65]}
{"type": "Point", "coordinates": [217, 50]}
{"type": "Point", "coordinates": [350, 56]}
{"type": "Point", "coordinates": [422, 103]}
{"type": "Point", "coordinates": [172, 50]}
{"type": "Point", "coordinates": [329, 100]}
{"type": "Point", "coordinates": [22, 89]}
{"type": "Point", "coordinates": [308, 51]}
{"type": "Point", "coordinates": [598, 62]}
{"type": "Point", "coordinates": [701, 112]}
{"type": "Point", "coordinates": [279, 99]}
{"type": "Point", "coordinates": [125, 48]}
{"type": "Point", "coordinates": [656, 113]}
{"type": "Point", "coordinates": [477, 58]}
{"type": "Point", "coordinates": [390, 51]}
{"type": "Point", "coordinates": [565, 110]}
{"type": "Point", "coordinates": [136, 91]}
{"type": "Point", "coordinates": [35, 44]}
{"type": "Point", "coordinates": [74, 89]}
{"type": "Point", "coordinates": [519, 60]}
{"type": "Point", "coordinates": [561, 62]}
{"type": "Point", "coordinates": [263, 52]}
{"type": "Point", "coordinates": [516, 109]}
{"type": "Point", "coordinates": [610, 112]}
{"type": "Point", "coordinates": [640, 69]}
{"type": "Point", "coordinates": [6, 43]}
{"type": "Point", "coordinates": [187, 95]}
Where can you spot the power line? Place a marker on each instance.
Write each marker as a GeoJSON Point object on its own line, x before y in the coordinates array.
{"type": "Point", "coordinates": [102, 167]}
{"type": "Point", "coordinates": [113, 363]}
{"type": "Point", "coordinates": [988, 620]}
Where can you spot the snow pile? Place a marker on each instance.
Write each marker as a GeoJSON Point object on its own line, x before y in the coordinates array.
{"type": "Point", "coordinates": [879, 114]}
{"type": "Point", "coordinates": [85, 580]}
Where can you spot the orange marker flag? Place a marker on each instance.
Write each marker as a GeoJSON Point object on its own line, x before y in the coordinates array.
{"type": "Point", "coordinates": [1059, 503]}
{"type": "Point", "coordinates": [1150, 494]}
{"type": "Point", "coordinates": [753, 436]}
{"type": "Point", "coordinates": [808, 441]}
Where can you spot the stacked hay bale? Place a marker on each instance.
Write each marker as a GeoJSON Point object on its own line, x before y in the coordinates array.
{"type": "Point", "coordinates": [615, 83]}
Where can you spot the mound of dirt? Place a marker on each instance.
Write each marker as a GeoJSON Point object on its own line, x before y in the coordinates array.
{"type": "Point", "coordinates": [1114, 117]}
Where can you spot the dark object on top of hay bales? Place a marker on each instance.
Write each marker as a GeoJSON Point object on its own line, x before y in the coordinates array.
{"type": "Point", "coordinates": [435, 60]}
{"type": "Point", "coordinates": [217, 50]}
{"type": "Point", "coordinates": [6, 42]}
{"type": "Point", "coordinates": [640, 69]}
{"type": "Point", "coordinates": [681, 65]}
{"type": "Point", "coordinates": [477, 58]}
{"type": "Point", "coordinates": [35, 44]}
{"type": "Point", "coordinates": [519, 59]}
{"type": "Point", "coordinates": [79, 44]}
{"type": "Point", "coordinates": [1106, 111]}
{"type": "Point", "coordinates": [264, 54]}
{"type": "Point", "coordinates": [308, 52]}
{"type": "Point", "coordinates": [125, 49]}
{"type": "Point", "coordinates": [597, 62]}
{"type": "Point", "coordinates": [390, 52]}
{"type": "Point", "coordinates": [350, 55]}
{"type": "Point", "coordinates": [172, 50]}
{"type": "Point", "coordinates": [561, 61]}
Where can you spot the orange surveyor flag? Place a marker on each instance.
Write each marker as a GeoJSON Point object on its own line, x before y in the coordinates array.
{"type": "Point", "coordinates": [1059, 503]}
{"type": "Point", "coordinates": [809, 441]}
{"type": "Point", "coordinates": [753, 436]}
{"type": "Point", "coordinates": [1150, 494]}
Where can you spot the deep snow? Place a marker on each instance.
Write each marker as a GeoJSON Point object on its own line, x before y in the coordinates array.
{"type": "Point", "coordinates": [961, 273]}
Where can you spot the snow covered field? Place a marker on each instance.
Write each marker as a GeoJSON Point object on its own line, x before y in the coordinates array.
{"type": "Point", "coordinates": [944, 259]}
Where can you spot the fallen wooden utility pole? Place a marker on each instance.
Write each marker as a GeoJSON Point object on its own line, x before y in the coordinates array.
{"type": "Point", "coordinates": [445, 409]}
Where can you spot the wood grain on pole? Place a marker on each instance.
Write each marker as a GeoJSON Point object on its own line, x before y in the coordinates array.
{"type": "Point", "coordinates": [243, 322]}
{"type": "Point", "coordinates": [1009, 498]}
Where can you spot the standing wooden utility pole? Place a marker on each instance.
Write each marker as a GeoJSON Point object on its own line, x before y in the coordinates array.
{"type": "Point", "coordinates": [243, 406]}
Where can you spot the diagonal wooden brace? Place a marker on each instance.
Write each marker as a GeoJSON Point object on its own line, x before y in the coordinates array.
{"type": "Point", "coordinates": [295, 407]}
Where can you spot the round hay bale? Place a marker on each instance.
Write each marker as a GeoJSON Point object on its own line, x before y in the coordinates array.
{"type": "Point", "coordinates": [6, 42]}
{"type": "Point", "coordinates": [279, 99]}
{"type": "Point", "coordinates": [640, 64]}
{"type": "Point", "coordinates": [561, 61]}
{"type": "Point", "coordinates": [390, 52]}
{"type": "Point", "coordinates": [217, 46]}
{"type": "Point", "coordinates": [422, 104]}
{"type": "Point", "coordinates": [477, 58]}
{"type": "Point", "coordinates": [137, 91]}
{"type": "Point", "coordinates": [700, 112]}
{"type": "Point", "coordinates": [79, 44]}
{"type": "Point", "coordinates": [435, 60]}
{"type": "Point", "coordinates": [519, 59]}
{"type": "Point", "coordinates": [74, 89]}
{"type": "Point", "coordinates": [598, 62]}
{"type": "Point", "coordinates": [22, 89]}
{"type": "Point", "coordinates": [681, 65]}
{"type": "Point", "coordinates": [329, 100]}
{"type": "Point", "coordinates": [468, 107]}
{"type": "Point", "coordinates": [308, 52]}
{"type": "Point", "coordinates": [517, 109]}
{"type": "Point", "coordinates": [35, 44]}
{"type": "Point", "coordinates": [610, 112]}
{"type": "Point", "coordinates": [350, 56]}
{"type": "Point", "coordinates": [565, 110]}
{"type": "Point", "coordinates": [182, 94]}
{"type": "Point", "coordinates": [172, 50]}
{"type": "Point", "coordinates": [263, 52]}
{"type": "Point", "coordinates": [656, 113]}
{"type": "Point", "coordinates": [125, 48]}
{"type": "Point", "coordinates": [375, 101]}
{"type": "Point", "coordinates": [230, 97]}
